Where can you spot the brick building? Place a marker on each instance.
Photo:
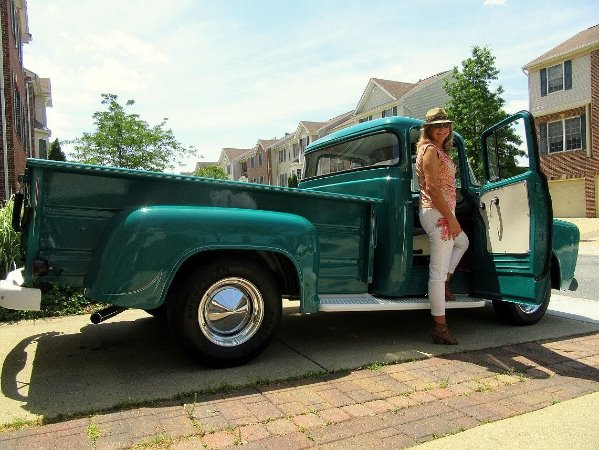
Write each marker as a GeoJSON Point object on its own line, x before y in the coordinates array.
{"type": "Point", "coordinates": [563, 88]}
{"type": "Point", "coordinates": [23, 99]}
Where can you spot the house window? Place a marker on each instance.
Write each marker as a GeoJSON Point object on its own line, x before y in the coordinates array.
{"type": "Point", "coordinates": [18, 116]}
{"type": "Point", "coordinates": [252, 162]}
{"type": "Point", "coordinates": [298, 174]}
{"type": "Point", "coordinates": [304, 142]}
{"type": "Point", "coordinates": [261, 179]}
{"type": "Point", "coordinates": [573, 134]}
{"type": "Point", "coordinates": [283, 179]}
{"type": "Point", "coordinates": [260, 159]}
{"type": "Point", "coordinates": [555, 137]}
{"type": "Point", "coordinates": [365, 119]}
{"type": "Point", "coordinates": [295, 150]}
{"type": "Point", "coordinates": [562, 135]}
{"type": "Point", "coordinates": [389, 112]}
{"type": "Point", "coordinates": [43, 149]}
{"type": "Point", "coordinates": [556, 78]}
{"type": "Point", "coordinates": [282, 156]}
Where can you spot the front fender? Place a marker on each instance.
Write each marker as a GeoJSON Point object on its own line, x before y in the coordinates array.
{"type": "Point", "coordinates": [141, 250]}
{"type": "Point", "coordinates": [566, 238]}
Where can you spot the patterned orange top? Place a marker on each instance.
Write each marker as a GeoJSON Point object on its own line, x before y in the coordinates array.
{"type": "Point", "coordinates": [447, 171]}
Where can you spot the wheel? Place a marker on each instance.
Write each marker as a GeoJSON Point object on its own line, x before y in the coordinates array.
{"type": "Point", "coordinates": [519, 314]}
{"type": "Point", "coordinates": [226, 313]}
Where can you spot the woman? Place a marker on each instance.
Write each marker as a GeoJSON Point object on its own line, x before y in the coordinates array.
{"type": "Point", "coordinates": [447, 241]}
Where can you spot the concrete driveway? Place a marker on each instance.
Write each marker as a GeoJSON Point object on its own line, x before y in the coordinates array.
{"type": "Point", "coordinates": [65, 366]}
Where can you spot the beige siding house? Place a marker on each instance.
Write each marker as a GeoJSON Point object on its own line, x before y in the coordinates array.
{"type": "Point", "coordinates": [381, 98]}
{"type": "Point", "coordinates": [563, 89]}
{"type": "Point", "coordinates": [230, 160]}
{"type": "Point", "coordinates": [385, 98]}
{"type": "Point", "coordinates": [279, 156]}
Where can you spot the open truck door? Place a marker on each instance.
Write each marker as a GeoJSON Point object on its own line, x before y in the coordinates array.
{"type": "Point", "coordinates": [513, 223]}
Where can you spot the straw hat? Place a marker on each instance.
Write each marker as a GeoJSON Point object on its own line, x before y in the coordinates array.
{"type": "Point", "coordinates": [436, 115]}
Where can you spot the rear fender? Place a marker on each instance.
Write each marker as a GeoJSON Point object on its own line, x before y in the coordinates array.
{"type": "Point", "coordinates": [566, 238]}
{"type": "Point", "coordinates": [141, 250]}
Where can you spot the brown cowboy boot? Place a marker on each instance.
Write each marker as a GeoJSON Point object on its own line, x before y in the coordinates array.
{"type": "Point", "coordinates": [441, 335]}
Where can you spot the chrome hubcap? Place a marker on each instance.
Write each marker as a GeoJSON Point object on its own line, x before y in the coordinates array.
{"type": "Point", "coordinates": [231, 312]}
{"type": "Point", "coordinates": [529, 309]}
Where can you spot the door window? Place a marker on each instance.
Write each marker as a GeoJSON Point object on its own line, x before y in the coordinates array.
{"type": "Point", "coordinates": [506, 153]}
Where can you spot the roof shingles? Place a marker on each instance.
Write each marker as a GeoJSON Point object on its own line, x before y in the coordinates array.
{"type": "Point", "coordinates": [588, 38]}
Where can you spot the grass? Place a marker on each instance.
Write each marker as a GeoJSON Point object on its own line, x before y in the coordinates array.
{"type": "Point", "coordinates": [375, 366]}
{"type": "Point", "coordinates": [444, 383]}
{"type": "Point", "coordinates": [159, 441]}
{"type": "Point", "coordinates": [93, 433]}
{"type": "Point", "coordinates": [18, 423]}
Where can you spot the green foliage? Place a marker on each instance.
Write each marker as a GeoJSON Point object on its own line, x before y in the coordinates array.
{"type": "Point", "coordinates": [212, 171]}
{"type": "Point", "coordinates": [124, 140]}
{"type": "Point", "coordinates": [56, 301]}
{"type": "Point", "coordinates": [474, 107]}
{"type": "Point", "coordinates": [55, 153]}
{"type": "Point", "coordinates": [10, 240]}
{"type": "Point", "coordinates": [292, 181]}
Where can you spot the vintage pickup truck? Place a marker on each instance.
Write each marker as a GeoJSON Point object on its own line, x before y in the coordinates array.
{"type": "Point", "coordinates": [217, 257]}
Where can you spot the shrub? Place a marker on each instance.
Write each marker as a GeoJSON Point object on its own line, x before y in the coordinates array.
{"type": "Point", "coordinates": [56, 300]}
{"type": "Point", "coordinates": [10, 240]}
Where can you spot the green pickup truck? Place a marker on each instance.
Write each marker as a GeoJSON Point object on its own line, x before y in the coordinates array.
{"type": "Point", "coordinates": [216, 258]}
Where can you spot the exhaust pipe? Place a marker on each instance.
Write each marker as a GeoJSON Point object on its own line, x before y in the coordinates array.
{"type": "Point", "coordinates": [106, 313]}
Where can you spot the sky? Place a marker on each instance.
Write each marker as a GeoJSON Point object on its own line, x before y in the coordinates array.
{"type": "Point", "coordinates": [227, 73]}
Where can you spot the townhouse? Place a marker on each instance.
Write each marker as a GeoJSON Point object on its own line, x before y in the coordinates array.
{"type": "Point", "coordinates": [381, 98]}
{"type": "Point", "coordinates": [563, 89]}
{"type": "Point", "coordinates": [23, 99]}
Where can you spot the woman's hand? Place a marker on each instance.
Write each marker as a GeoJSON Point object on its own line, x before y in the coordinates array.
{"type": "Point", "coordinates": [454, 228]}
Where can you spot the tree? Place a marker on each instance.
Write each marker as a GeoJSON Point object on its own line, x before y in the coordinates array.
{"type": "Point", "coordinates": [474, 107]}
{"type": "Point", "coordinates": [124, 140]}
{"type": "Point", "coordinates": [212, 171]}
{"type": "Point", "coordinates": [292, 181]}
{"type": "Point", "coordinates": [55, 153]}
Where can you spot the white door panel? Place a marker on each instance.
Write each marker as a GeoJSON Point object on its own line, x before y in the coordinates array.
{"type": "Point", "coordinates": [506, 215]}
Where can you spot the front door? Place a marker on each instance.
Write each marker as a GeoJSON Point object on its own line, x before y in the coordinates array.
{"type": "Point", "coordinates": [513, 221]}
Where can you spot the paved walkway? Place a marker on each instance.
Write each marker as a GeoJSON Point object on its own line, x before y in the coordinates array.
{"type": "Point", "coordinates": [393, 406]}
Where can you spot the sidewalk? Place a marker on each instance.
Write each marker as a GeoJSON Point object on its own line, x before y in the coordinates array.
{"type": "Point", "coordinates": [393, 406]}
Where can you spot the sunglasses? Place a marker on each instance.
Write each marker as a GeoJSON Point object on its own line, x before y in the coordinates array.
{"type": "Point", "coordinates": [441, 125]}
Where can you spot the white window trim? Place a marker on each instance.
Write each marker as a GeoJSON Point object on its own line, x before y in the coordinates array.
{"type": "Point", "coordinates": [563, 127]}
{"type": "Point", "coordinates": [561, 65]}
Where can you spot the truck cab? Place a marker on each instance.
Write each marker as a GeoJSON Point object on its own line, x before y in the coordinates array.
{"type": "Point", "coordinates": [513, 259]}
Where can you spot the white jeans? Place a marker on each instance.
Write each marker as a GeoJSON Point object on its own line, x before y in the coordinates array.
{"type": "Point", "coordinates": [445, 256]}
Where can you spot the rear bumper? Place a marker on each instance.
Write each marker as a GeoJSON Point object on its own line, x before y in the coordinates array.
{"type": "Point", "coordinates": [13, 296]}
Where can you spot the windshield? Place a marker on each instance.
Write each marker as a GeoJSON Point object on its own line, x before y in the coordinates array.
{"type": "Point", "coordinates": [380, 149]}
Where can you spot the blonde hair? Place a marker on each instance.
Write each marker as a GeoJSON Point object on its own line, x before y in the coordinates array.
{"type": "Point", "coordinates": [425, 138]}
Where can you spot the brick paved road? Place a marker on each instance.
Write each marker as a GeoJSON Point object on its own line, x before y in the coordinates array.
{"type": "Point", "coordinates": [392, 406]}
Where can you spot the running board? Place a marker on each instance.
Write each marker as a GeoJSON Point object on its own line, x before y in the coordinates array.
{"type": "Point", "coordinates": [367, 302]}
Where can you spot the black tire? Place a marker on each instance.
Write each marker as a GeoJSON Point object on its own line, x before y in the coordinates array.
{"type": "Point", "coordinates": [518, 314]}
{"type": "Point", "coordinates": [227, 312]}
{"type": "Point", "coordinates": [159, 313]}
